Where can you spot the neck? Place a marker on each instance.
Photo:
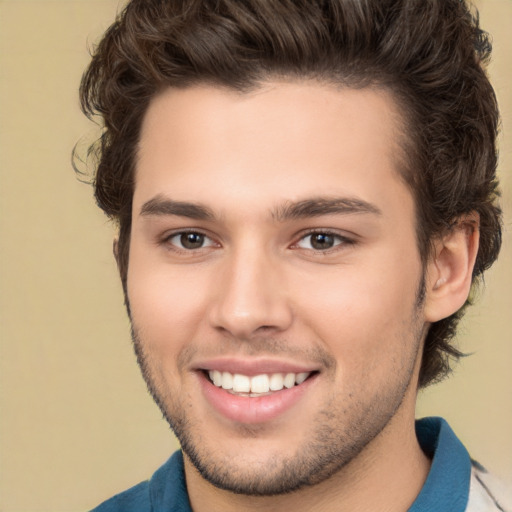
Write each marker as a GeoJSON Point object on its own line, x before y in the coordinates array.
{"type": "Point", "coordinates": [392, 466]}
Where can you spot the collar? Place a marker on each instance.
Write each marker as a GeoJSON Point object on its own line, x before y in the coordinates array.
{"type": "Point", "coordinates": [447, 486]}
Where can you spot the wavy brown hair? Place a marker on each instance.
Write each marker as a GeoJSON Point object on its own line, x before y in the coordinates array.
{"type": "Point", "coordinates": [429, 54]}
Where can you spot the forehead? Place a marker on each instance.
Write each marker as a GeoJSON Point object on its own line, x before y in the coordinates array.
{"type": "Point", "coordinates": [284, 141]}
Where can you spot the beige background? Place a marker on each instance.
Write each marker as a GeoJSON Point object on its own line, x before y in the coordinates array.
{"type": "Point", "coordinates": [76, 422]}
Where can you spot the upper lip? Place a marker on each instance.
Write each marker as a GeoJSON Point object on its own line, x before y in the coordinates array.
{"type": "Point", "coordinates": [251, 367]}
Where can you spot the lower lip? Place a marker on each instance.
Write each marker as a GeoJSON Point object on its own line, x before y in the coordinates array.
{"type": "Point", "coordinates": [260, 409]}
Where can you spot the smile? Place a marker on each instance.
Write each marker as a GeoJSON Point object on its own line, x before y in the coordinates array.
{"type": "Point", "coordinates": [254, 392]}
{"type": "Point", "coordinates": [256, 385]}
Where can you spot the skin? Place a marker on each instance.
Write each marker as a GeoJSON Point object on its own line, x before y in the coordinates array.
{"type": "Point", "coordinates": [258, 290]}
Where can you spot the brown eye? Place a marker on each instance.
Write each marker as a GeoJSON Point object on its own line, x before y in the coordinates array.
{"type": "Point", "coordinates": [322, 241]}
{"type": "Point", "coordinates": [190, 240]}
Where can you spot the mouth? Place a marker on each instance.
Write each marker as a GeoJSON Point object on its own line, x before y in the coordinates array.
{"type": "Point", "coordinates": [255, 391]}
{"type": "Point", "coordinates": [257, 385]}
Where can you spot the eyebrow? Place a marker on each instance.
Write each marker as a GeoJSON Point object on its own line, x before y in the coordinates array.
{"type": "Point", "coordinates": [317, 207]}
{"type": "Point", "coordinates": [160, 205]}
{"type": "Point", "coordinates": [313, 207]}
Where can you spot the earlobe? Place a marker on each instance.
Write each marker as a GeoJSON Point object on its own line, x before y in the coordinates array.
{"type": "Point", "coordinates": [450, 269]}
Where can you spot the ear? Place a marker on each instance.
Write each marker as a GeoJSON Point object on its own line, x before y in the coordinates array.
{"type": "Point", "coordinates": [450, 268]}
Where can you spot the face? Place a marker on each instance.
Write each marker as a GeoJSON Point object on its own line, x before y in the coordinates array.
{"type": "Point", "coordinates": [273, 278]}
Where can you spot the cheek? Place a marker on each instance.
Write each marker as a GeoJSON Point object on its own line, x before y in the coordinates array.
{"type": "Point", "coordinates": [365, 318]}
{"type": "Point", "coordinates": [165, 303]}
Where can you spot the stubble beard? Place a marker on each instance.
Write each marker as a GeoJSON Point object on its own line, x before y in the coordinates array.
{"type": "Point", "coordinates": [340, 433]}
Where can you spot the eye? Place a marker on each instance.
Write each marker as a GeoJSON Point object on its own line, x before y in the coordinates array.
{"type": "Point", "coordinates": [321, 241]}
{"type": "Point", "coordinates": [190, 240]}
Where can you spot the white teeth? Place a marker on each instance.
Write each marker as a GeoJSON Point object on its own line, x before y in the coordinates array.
{"type": "Point", "coordinates": [241, 383]}
{"type": "Point", "coordinates": [301, 377]}
{"type": "Point", "coordinates": [276, 382]}
{"type": "Point", "coordinates": [258, 384]}
{"type": "Point", "coordinates": [289, 380]}
{"type": "Point", "coordinates": [217, 378]}
{"type": "Point", "coordinates": [227, 380]}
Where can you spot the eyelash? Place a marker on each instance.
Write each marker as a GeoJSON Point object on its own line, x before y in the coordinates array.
{"type": "Point", "coordinates": [339, 240]}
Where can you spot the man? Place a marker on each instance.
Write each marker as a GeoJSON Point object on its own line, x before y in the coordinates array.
{"type": "Point", "coordinates": [305, 193]}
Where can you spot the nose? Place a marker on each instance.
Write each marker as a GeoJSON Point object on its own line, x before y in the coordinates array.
{"type": "Point", "coordinates": [251, 297]}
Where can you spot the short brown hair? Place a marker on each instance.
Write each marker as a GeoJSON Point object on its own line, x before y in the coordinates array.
{"type": "Point", "coordinates": [428, 53]}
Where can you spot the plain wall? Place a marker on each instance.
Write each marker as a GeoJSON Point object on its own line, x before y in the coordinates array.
{"type": "Point", "coordinates": [77, 424]}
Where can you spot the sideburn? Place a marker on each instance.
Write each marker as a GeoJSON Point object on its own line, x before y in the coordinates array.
{"type": "Point", "coordinates": [122, 254]}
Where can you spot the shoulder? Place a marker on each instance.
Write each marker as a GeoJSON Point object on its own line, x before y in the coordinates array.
{"type": "Point", "coordinates": [135, 499]}
{"type": "Point", "coordinates": [166, 490]}
{"type": "Point", "coordinates": [487, 493]}
{"type": "Point", "coordinates": [455, 483]}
